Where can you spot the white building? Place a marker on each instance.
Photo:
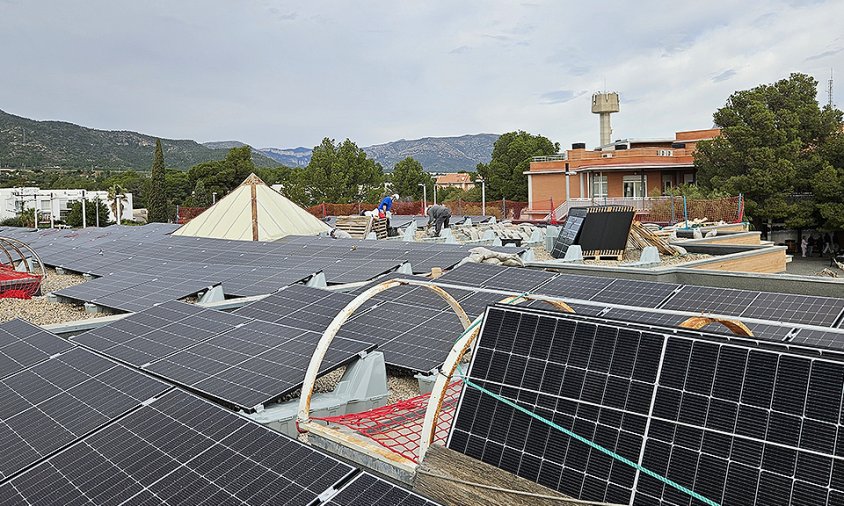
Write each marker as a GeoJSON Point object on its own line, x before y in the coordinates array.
{"type": "Point", "coordinates": [53, 205]}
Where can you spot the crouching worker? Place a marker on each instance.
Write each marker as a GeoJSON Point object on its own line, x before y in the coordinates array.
{"type": "Point", "coordinates": [438, 216]}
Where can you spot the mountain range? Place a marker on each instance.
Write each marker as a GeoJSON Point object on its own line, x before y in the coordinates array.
{"type": "Point", "coordinates": [61, 145]}
{"type": "Point", "coordinates": [436, 154]}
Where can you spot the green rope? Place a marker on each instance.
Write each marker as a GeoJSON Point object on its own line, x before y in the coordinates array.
{"type": "Point", "coordinates": [571, 434]}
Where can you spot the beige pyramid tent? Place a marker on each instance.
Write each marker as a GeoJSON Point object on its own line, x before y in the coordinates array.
{"type": "Point", "coordinates": [253, 212]}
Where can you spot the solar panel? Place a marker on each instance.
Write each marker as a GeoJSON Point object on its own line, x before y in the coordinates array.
{"type": "Point", "coordinates": [58, 401]}
{"type": "Point", "coordinates": [734, 423]}
{"type": "Point", "coordinates": [23, 345]}
{"type": "Point", "coordinates": [367, 490]}
{"type": "Point", "coordinates": [470, 274]}
{"type": "Point", "coordinates": [518, 279]}
{"type": "Point", "coordinates": [157, 332]}
{"type": "Point", "coordinates": [635, 293]}
{"type": "Point", "coordinates": [129, 291]}
{"type": "Point", "coordinates": [411, 337]}
{"type": "Point", "coordinates": [823, 311]}
{"type": "Point", "coordinates": [834, 340]}
{"type": "Point", "coordinates": [575, 286]}
{"type": "Point", "coordinates": [181, 450]}
{"type": "Point", "coordinates": [252, 364]}
{"type": "Point", "coordinates": [298, 306]}
{"type": "Point", "coordinates": [706, 299]}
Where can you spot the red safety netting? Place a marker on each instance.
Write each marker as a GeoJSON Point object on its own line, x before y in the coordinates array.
{"type": "Point", "coordinates": [17, 285]}
{"type": "Point", "coordinates": [185, 214]}
{"type": "Point", "coordinates": [398, 427]}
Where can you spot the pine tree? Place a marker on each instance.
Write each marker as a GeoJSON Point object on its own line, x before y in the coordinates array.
{"type": "Point", "coordinates": [157, 199]}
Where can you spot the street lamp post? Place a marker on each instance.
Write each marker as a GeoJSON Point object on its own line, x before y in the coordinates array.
{"type": "Point", "coordinates": [213, 198]}
{"type": "Point", "coordinates": [84, 217]}
{"type": "Point", "coordinates": [483, 195]}
{"type": "Point", "coordinates": [424, 196]}
{"type": "Point", "coordinates": [98, 210]}
{"type": "Point", "coordinates": [435, 193]}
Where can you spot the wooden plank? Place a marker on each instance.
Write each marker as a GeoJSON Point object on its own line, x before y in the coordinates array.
{"type": "Point", "coordinates": [435, 475]}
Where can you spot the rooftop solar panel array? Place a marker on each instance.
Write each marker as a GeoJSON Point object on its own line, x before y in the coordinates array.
{"type": "Point", "coordinates": [253, 364]}
{"type": "Point", "coordinates": [411, 336]}
{"type": "Point", "coordinates": [181, 450]}
{"type": "Point", "coordinates": [243, 267]}
{"type": "Point", "coordinates": [733, 422]}
{"type": "Point", "coordinates": [160, 331]}
{"type": "Point", "coordinates": [23, 345]}
{"type": "Point", "coordinates": [238, 360]}
{"type": "Point", "coordinates": [55, 402]}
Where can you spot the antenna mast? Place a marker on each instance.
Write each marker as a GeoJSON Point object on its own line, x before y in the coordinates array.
{"type": "Point", "coordinates": [829, 89]}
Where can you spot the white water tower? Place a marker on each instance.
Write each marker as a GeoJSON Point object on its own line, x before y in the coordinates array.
{"type": "Point", "coordinates": [605, 104]}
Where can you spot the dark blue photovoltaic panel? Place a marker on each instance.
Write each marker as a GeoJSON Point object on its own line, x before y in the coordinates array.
{"type": "Point", "coordinates": [180, 450]}
{"type": "Point", "coordinates": [23, 344]}
{"type": "Point", "coordinates": [710, 414]}
{"type": "Point", "coordinates": [155, 333]}
{"type": "Point", "coordinates": [367, 490]}
{"type": "Point", "coordinates": [252, 364]}
{"type": "Point", "coordinates": [60, 400]}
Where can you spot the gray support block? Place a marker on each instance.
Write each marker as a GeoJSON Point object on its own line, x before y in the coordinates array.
{"type": "Point", "coordinates": [213, 294]}
{"type": "Point", "coordinates": [317, 281]}
{"type": "Point", "coordinates": [574, 253]}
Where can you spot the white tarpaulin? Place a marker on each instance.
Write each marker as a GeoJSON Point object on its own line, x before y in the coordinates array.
{"type": "Point", "coordinates": [253, 212]}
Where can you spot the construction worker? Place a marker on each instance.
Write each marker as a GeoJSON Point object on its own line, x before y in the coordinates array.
{"type": "Point", "coordinates": [438, 216]}
{"type": "Point", "coordinates": [386, 206]}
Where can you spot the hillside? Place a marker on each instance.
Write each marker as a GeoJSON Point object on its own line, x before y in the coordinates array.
{"type": "Point", "coordinates": [436, 154]}
{"type": "Point", "coordinates": [43, 144]}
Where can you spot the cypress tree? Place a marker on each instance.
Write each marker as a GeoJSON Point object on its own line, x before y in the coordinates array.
{"type": "Point", "coordinates": [157, 198]}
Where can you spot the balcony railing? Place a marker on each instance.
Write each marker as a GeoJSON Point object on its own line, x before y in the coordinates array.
{"type": "Point", "coordinates": [549, 158]}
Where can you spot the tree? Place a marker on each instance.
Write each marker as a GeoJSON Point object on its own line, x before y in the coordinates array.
{"type": "Point", "coordinates": [223, 176]}
{"type": "Point", "coordinates": [200, 196]}
{"type": "Point", "coordinates": [157, 197]}
{"type": "Point", "coordinates": [74, 215]}
{"type": "Point", "coordinates": [774, 148]}
{"type": "Point", "coordinates": [342, 173]}
{"type": "Point", "coordinates": [406, 177]}
{"type": "Point", "coordinates": [511, 155]}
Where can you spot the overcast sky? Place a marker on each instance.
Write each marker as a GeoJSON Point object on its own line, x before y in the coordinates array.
{"type": "Point", "coordinates": [284, 74]}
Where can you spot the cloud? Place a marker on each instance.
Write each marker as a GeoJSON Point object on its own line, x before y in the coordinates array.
{"type": "Point", "coordinates": [375, 72]}
{"type": "Point", "coordinates": [725, 75]}
{"type": "Point", "coordinates": [825, 54]}
{"type": "Point", "coordinates": [560, 96]}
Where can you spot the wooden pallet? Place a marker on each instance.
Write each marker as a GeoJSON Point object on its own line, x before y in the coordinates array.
{"type": "Point", "coordinates": [360, 226]}
{"type": "Point", "coordinates": [617, 254]}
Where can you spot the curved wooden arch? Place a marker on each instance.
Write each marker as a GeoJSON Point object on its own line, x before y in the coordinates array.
{"type": "Point", "coordinates": [303, 415]}
{"type": "Point", "coordinates": [736, 327]}
{"type": "Point", "coordinates": [455, 356]}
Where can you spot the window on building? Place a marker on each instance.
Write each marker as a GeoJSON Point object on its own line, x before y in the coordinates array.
{"type": "Point", "coordinates": [688, 178]}
{"type": "Point", "coordinates": [667, 181]}
{"type": "Point", "coordinates": [664, 152]}
{"type": "Point", "coordinates": [599, 186]}
{"type": "Point", "coordinates": [634, 186]}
